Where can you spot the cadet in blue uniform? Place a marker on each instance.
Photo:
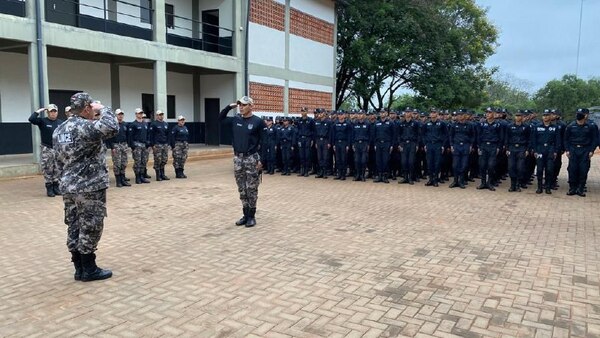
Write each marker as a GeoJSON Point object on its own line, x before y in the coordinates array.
{"type": "Point", "coordinates": [581, 140]}
{"type": "Point", "coordinates": [516, 142]}
{"type": "Point", "coordinates": [489, 141]}
{"type": "Point", "coordinates": [361, 135]}
{"type": "Point", "coordinates": [340, 138]}
{"type": "Point", "coordinates": [47, 125]}
{"type": "Point", "coordinates": [138, 141]}
{"type": "Point", "coordinates": [384, 135]}
{"type": "Point", "coordinates": [371, 163]}
{"type": "Point", "coordinates": [545, 141]}
{"type": "Point", "coordinates": [178, 140]}
{"type": "Point", "coordinates": [118, 151]}
{"type": "Point", "coordinates": [269, 143]}
{"type": "Point", "coordinates": [408, 141]}
{"type": "Point", "coordinates": [462, 137]}
{"type": "Point", "coordinates": [323, 141]}
{"type": "Point", "coordinates": [286, 138]}
{"type": "Point", "coordinates": [435, 138]}
{"type": "Point", "coordinates": [304, 139]}
{"type": "Point", "coordinates": [159, 141]}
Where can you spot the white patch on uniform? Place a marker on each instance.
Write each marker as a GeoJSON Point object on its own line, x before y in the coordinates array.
{"type": "Point", "coordinates": [239, 124]}
{"type": "Point", "coordinates": [250, 126]}
{"type": "Point", "coordinates": [65, 138]}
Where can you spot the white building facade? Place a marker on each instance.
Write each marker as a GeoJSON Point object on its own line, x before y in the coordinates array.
{"type": "Point", "coordinates": [185, 57]}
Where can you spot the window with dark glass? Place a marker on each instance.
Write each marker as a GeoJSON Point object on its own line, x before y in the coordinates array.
{"type": "Point", "coordinates": [146, 11]}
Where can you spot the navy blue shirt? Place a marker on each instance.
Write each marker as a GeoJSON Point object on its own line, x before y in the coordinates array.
{"type": "Point", "coordinates": [462, 133]}
{"type": "Point", "coordinates": [408, 131]}
{"type": "Point", "coordinates": [581, 136]}
{"type": "Point", "coordinates": [545, 138]}
{"type": "Point", "coordinates": [489, 133]}
{"type": "Point", "coordinates": [246, 132]}
{"type": "Point", "coordinates": [361, 131]}
{"type": "Point", "coordinates": [159, 132]}
{"type": "Point", "coordinates": [120, 137]}
{"type": "Point", "coordinates": [137, 132]}
{"type": "Point", "coordinates": [286, 135]}
{"type": "Point", "coordinates": [305, 127]}
{"type": "Point", "coordinates": [517, 136]}
{"type": "Point", "coordinates": [46, 127]}
{"type": "Point", "coordinates": [435, 132]}
{"type": "Point", "coordinates": [383, 132]}
{"type": "Point", "coordinates": [178, 134]}
{"type": "Point", "coordinates": [342, 131]}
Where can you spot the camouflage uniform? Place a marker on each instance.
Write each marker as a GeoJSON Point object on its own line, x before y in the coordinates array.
{"type": "Point", "coordinates": [247, 178]}
{"type": "Point", "coordinates": [180, 154]}
{"type": "Point", "coordinates": [140, 156]}
{"type": "Point", "coordinates": [119, 158]}
{"type": "Point", "coordinates": [161, 155]}
{"type": "Point", "coordinates": [48, 164]}
{"type": "Point", "coordinates": [82, 161]}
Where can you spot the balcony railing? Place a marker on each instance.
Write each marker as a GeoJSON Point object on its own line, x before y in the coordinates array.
{"type": "Point", "coordinates": [127, 20]}
{"type": "Point", "coordinates": [185, 32]}
{"type": "Point", "coordinates": [133, 20]}
{"type": "Point", "coordinates": [13, 7]}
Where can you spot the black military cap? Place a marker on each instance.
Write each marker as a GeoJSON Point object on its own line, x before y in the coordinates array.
{"type": "Point", "coordinates": [408, 110]}
{"type": "Point", "coordinates": [463, 111]}
{"type": "Point", "coordinates": [504, 111]}
{"type": "Point", "coordinates": [547, 112]}
{"type": "Point", "coordinates": [519, 112]}
{"type": "Point", "coordinates": [583, 111]}
{"type": "Point", "coordinates": [490, 110]}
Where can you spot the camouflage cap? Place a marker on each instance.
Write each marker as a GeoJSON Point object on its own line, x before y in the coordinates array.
{"type": "Point", "coordinates": [80, 100]}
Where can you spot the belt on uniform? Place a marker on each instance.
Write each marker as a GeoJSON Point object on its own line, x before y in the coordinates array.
{"type": "Point", "coordinates": [321, 138]}
{"type": "Point", "coordinates": [578, 145]}
{"type": "Point", "coordinates": [517, 145]}
{"type": "Point", "coordinates": [360, 141]}
{"type": "Point", "coordinates": [382, 141]}
{"type": "Point", "coordinates": [489, 143]}
{"type": "Point", "coordinates": [546, 144]}
{"type": "Point", "coordinates": [246, 154]}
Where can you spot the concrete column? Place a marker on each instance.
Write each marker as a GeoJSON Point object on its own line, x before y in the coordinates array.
{"type": "Point", "coordinates": [286, 89]}
{"type": "Point", "coordinates": [111, 6]}
{"type": "Point", "coordinates": [196, 92]}
{"type": "Point", "coordinates": [239, 33]}
{"type": "Point", "coordinates": [115, 86]}
{"type": "Point", "coordinates": [159, 22]}
{"type": "Point", "coordinates": [160, 86]}
{"type": "Point", "coordinates": [195, 19]}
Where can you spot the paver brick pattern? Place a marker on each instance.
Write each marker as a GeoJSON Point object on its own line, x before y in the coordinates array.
{"type": "Point", "coordinates": [327, 259]}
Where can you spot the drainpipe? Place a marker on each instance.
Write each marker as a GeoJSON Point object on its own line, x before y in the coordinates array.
{"type": "Point", "coordinates": [246, 76]}
{"type": "Point", "coordinates": [40, 62]}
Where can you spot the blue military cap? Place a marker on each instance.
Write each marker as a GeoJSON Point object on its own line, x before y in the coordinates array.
{"type": "Point", "coordinates": [409, 109]}
{"type": "Point", "coordinates": [583, 111]}
{"type": "Point", "coordinates": [341, 112]}
{"type": "Point", "coordinates": [519, 112]}
{"type": "Point", "coordinates": [556, 112]}
{"type": "Point", "coordinates": [490, 110]}
{"type": "Point", "coordinates": [462, 111]}
{"type": "Point", "coordinates": [547, 112]}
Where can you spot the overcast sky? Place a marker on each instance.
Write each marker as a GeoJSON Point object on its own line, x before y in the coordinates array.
{"type": "Point", "coordinates": [538, 38]}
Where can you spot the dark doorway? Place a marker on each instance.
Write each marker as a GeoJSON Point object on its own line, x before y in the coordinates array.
{"type": "Point", "coordinates": [63, 12]}
{"type": "Point", "coordinates": [210, 30]}
{"type": "Point", "coordinates": [61, 98]}
{"type": "Point", "coordinates": [212, 126]}
{"type": "Point", "coordinates": [148, 106]}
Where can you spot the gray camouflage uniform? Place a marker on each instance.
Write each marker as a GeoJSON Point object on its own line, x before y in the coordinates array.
{"type": "Point", "coordinates": [82, 162]}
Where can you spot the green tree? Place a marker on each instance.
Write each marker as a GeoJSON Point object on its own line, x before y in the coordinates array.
{"type": "Point", "coordinates": [505, 92]}
{"type": "Point", "coordinates": [385, 45]}
{"type": "Point", "coordinates": [568, 94]}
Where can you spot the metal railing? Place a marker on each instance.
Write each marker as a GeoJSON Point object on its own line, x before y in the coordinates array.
{"type": "Point", "coordinates": [186, 32]}
{"type": "Point", "coordinates": [101, 18]}
{"type": "Point", "coordinates": [13, 7]}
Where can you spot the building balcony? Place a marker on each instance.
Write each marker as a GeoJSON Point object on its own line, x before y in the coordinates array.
{"type": "Point", "coordinates": [13, 7]}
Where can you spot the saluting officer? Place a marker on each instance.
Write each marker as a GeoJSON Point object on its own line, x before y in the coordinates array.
{"type": "Point", "coordinates": [178, 140]}
{"type": "Point", "coordinates": [47, 125]}
{"type": "Point", "coordinates": [581, 140]}
{"type": "Point", "coordinates": [545, 140]}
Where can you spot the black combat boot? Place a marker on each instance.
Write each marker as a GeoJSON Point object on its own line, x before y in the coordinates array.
{"type": "Point", "coordinates": [244, 219]}
{"type": "Point", "coordinates": [183, 173]}
{"type": "Point", "coordinates": [91, 271]}
{"type": "Point", "coordinates": [143, 177]}
{"type": "Point", "coordinates": [581, 190]}
{"type": "Point", "coordinates": [384, 178]}
{"type": "Point", "coordinates": [436, 182]}
{"type": "Point", "coordinates": [539, 188]}
{"type": "Point", "coordinates": [76, 259]}
{"type": "Point", "coordinates": [162, 174]}
{"type": "Point", "coordinates": [362, 176]}
{"type": "Point", "coordinates": [124, 182]}
{"type": "Point", "coordinates": [378, 178]}
{"type": "Point", "coordinates": [158, 176]}
{"type": "Point", "coordinates": [483, 184]}
{"type": "Point", "coordinates": [404, 179]}
{"type": "Point", "coordinates": [339, 175]}
{"type": "Point", "coordinates": [461, 182]}
{"type": "Point", "coordinates": [145, 174]}
{"type": "Point", "coordinates": [320, 174]}
{"type": "Point", "coordinates": [125, 179]}
{"type": "Point", "coordinates": [251, 220]}
{"type": "Point", "coordinates": [50, 190]}
{"type": "Point", "coordinates": [118, 181]}
{"type": "Point", "coordinates": [548, 190]}
{"type": "Point", "coordinates": [454, 183]}
{"type": "Point", "coordinates": [137, 178]}
{"type": "Point", "coordinates": [513, 185]}
{"type": "Point", "coordinates": [56, 188]}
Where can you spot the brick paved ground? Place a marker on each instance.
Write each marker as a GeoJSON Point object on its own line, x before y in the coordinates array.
{"type": "Point", "coordinates": [328, 259]}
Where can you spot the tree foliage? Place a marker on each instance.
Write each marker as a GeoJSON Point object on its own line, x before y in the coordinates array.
{"type": "Point", "coordinates": [568, 94]}
{"type": "Point", "coordinates": [434, 47]}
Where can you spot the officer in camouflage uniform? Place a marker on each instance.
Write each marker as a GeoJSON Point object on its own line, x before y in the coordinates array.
{"type": "Point", "coordinates": [82, 161]}
{"type": "Point", "coordinates": [159, 141]}
{"type": "Point", "coordinates": [47, 125]}
{"type": "Point", "coordinates": [246, 138]}
{"type": "Point", "coordinates": [137, 135]}
{"type": "Point", "coordinates": [118, 151]}
{"type": "Point", "coordinates": [179, 146]}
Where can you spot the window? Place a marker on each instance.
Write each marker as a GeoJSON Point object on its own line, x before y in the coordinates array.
{"type": "Point", "coordinates": [170, 106]}
{"type": "Point", "coordinates": [170, 16]}
{"type": "Point", "coordinates": [148, 106]}
{"type": "Point", "coordinates": [146, 11]}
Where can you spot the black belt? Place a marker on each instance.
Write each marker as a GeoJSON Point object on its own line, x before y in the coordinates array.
{"type": "Point", "coordinates": [246, 154]}
{"type": "Point", "coordinates": [579, 145]}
